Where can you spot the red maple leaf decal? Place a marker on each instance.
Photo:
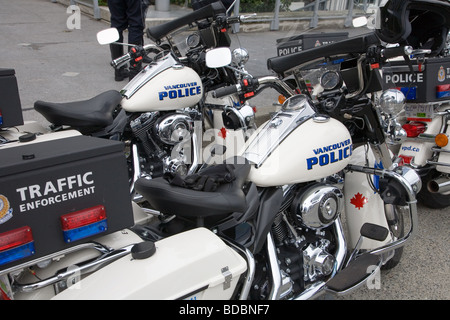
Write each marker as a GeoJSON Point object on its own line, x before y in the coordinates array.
{"type": "Point", "coordinates": [222, 133]}
{"type": "Point", "coordinates": [358, 200]}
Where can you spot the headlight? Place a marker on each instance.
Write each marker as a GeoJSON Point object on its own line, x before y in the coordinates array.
{"type": "Point", "coordinates": [240, 56]}
{"type": "Point", "coordinates": [392, 102]}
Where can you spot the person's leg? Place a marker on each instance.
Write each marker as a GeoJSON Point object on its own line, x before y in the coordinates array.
{"type": "Point", "coordinates": [135, 22]}
{"type": "Point", "coordinates": [135, 30]}
{"type": "Point", "coordinates": [119, 20]}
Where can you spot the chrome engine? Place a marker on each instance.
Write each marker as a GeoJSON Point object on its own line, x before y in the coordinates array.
{"type": "Point", "coordinates": [174, 128]}
{"type": "Point", "coordinates": [318, 206]}
{"type": "Point", "coordinates": [304, 236]}
{"type": "Point", "coordinates": [164, 141]}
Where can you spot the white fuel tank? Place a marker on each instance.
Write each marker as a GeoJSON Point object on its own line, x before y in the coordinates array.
{"type": "Point", "coordinates": [297, 145]}
{"type": "Point", "coordinates": [162, 86]}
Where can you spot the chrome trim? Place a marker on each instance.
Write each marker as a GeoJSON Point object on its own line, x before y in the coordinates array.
{"type": "Point", "coordinates": [341, 246]}
{"type": "Point", "coordinates": [381, 152]}
{"type": "Point", "coordinates": [82, 268]}
{"type": "Point", "coordinates": [436, 149]}
{"type": "Point", "coordinates": [136, 168]}
{"type": "Point", "coordinates": [446, 118]}
{"type": "Point", "coordinates": [276, 81]}
{"type": "Point", "coordinates": [90, 245]}
{"type": "Point", "coordinates": [310, 208]}
{"type": "Point", "coordinates": [437, 163]}
{"type": "Point", "coordinates": [243, 112]}
{"type": "Point", "coordinates": [250, 267]}
{"type": "Point", "coordinates": [274, 269]}
{"type": "Point", "coordinates": [279, 128]}
{"type": "Point", "coordinates": [196, 146]}
{"type": "Point", "coordinates": [442, 113]}
{"type": "Point", "coordinates": [318, 288]}
{"type": "Point", "coordinates": [148, 73]}
{"type": "Point", "coordinates": [174, 128]}
{"type": "Point", "coordinates": [426, 137]}
{"type": "Point", "coordinates": [440, 185]}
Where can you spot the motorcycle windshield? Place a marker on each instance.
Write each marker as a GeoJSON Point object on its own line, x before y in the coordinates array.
{"type": "Point", "coordinates": [295, 111]}
{"type": "Point", "coordinates": [148, 73]}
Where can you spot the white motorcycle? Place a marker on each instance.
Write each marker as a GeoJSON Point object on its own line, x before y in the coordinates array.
{"type": "Point", "coordinates": [162, 113]}
{"type": "Point", "coordinates": [266, 224]}
{"type": "Point", "coordinates": [424, 82]}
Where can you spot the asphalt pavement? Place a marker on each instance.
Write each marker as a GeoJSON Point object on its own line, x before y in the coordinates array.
{"type": "Point", "coordinates": [60, 64]}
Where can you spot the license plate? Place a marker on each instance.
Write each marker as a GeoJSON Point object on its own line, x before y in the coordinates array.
{"type": "Point", "coordinates": [419, 112]}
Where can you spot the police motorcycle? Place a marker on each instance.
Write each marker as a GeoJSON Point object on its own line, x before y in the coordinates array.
{"type": "Point", "coordinates": [162, 113]}
{"type": "Point", "coordinates": [266, 224]}
{"type": "Point", "coordinates": [424, 82]}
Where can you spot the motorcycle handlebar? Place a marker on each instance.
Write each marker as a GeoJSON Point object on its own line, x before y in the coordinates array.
{"type": "Point", "coordinates": [156, 33]}
{"type": "Point", "coordinates": [238, 19]}
{"type": "Point", "coordinates": [117, 63]}
{"type": "Point", "coordinates": [225, 91]}
{"type": "Point", "coordinates": [396, 52]}
{"type": "Point", "coordinates": [253, 84]}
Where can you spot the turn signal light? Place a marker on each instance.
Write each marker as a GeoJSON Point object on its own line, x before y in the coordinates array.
{"type": "Point", "coordinates": [441, 140]}
{"type": "Point", "coordinates": [281, 99]}
{"type": "Point", "coordinates": [413, 129]}
{"type": "Point", "coordinates": [84, 223]}
{"type": "Point", "coordinates": [16, 244]}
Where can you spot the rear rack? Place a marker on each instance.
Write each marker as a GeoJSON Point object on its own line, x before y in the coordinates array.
{"type": "Point", "coordinates": [107, 255]}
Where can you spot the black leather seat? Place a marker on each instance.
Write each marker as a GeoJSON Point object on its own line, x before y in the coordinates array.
{"type": "Point", "coordinates": [95, 112]}
{"type": "Point", "coordinates": [170, 199]}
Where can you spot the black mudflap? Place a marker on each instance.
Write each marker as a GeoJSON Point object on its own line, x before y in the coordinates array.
{"type": "Point", "coordinates": [355, 273]}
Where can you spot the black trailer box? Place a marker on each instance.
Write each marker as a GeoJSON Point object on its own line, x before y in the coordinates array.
{"type": "Point", "coordinates": [41, 182]}
{"type": "Point", "coordinates": [428, 82]}
{"type": "Point", "coordinates": [301, 42]}
{"type": "Point", "coordinates": [10, 107]}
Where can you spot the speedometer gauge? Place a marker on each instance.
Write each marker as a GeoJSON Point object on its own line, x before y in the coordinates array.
{"type": "Point", "coordinates": [193, 40]}
{"type": "Point", "coordinates": [330, 80]}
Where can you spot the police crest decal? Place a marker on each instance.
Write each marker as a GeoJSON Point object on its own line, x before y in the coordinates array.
{"type": "Point", "coordinates": [5, 209]}
{"type": "Point", "coordinates": [441, 74]}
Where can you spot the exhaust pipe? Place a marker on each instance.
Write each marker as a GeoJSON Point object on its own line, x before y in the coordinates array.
{"type": "Point", "coordinates": [440, 185]}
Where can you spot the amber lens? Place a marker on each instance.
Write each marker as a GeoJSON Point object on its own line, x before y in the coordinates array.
{"type": "Point", "coordinates": [441, 140]}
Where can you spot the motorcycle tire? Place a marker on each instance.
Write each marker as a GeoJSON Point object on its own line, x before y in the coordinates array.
{"type": "Point", "coordinates": [430, 199]}
{"type": "Point", "coordinates": [397, 228]}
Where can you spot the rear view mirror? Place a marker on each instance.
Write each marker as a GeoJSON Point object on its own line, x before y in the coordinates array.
{"type": "Point", "coordinates": [218, 57]}
{"type": "Point", "coordinates": [108, 36]}
{"type": "Point", "coordinates": [359, 22]}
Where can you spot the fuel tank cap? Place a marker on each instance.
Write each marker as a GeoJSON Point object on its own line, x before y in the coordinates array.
{"type": "Point", "coordinates": [321, 118]}
{"type": "Point", "coordinates": [143, 250]}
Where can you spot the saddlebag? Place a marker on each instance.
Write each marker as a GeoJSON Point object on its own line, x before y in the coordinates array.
{"type": "Point", "coordinates": [429, 82]}
{"type": "Point", "coordinates": [302, 42]}
{"type": "Point", "coordinates": [192, 265]}
{"type": "Point", "coordinates": [59, 193]}
{"type": "Point", "coordinates": [10, 107]}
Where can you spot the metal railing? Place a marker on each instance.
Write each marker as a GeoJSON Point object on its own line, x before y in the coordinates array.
{"type": "Point", "coordinates": [314, 10]}
{"type": "Point", "coordinates": [89, 3]}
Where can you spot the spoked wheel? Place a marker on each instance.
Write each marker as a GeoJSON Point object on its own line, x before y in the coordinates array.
{"type": "Point", "coordinates": [396, 222]}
